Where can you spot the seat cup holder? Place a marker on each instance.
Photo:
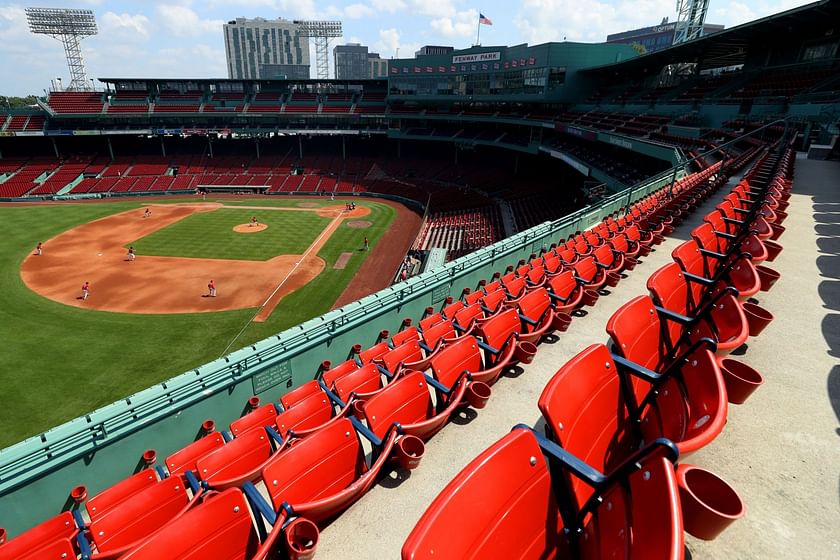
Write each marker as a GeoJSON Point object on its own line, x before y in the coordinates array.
{"type": "Point", "coordinates": [773, 249]}
{"type": "Point", "coordinates": [781, 216]}
{"type": "Point", "coordinates": [740, 380]}
{"type": "Point", "coordinates": [2, 536]}
{"type": "Point", "coordinates": [768, 277]}
{"type": "Point", "coordinates": [613, 279]}
{"type": "Point", "coordinates": [777, 231]}
{"type": "Point", "coordinates": [561, 321]}
{"type": "Point", "coordinates": [79, 493]}
{"type": "Point", "coordinates": [644, 250]}
{"type": "Point", "coordinates": [301, 539]}
{"type": "Point", "coordinates": [208, 426]}
{"type": "Point", "coordinates": [757, 317]}
{"type": "Point", "coordinates": [590, 296]}
{"type": "Point", "coordinates": [630, 263]}
{"type": "Point", "coordinates": [359, 409]}
{"type": "Point", "coordinates": [709, 504]}
{"type": "Point", "coordinates": [410, 450]}
{"type": "Point", "coordinates": [525, 352]}
{"type": "Point", "coordinates": [478, 393]}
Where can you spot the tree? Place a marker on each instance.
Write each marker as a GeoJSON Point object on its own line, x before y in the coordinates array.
{"type": "Point", "coordinates": [17, 102]}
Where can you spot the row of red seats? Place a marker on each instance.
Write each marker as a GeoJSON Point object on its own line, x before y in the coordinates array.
{"type": "Point", "coordinates": [309, 455]}
{"type": "Point", "coordinates": [603, 482]}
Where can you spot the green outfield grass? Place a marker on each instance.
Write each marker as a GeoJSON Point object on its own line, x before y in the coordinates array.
{"type": "Point", "coordinates": [210, 235]}
{"type": "Point", "coordinates": [60, 362]}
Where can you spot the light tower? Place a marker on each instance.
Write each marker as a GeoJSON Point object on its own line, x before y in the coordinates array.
{"type": "Point", "coordinates": [320, 32]}
{"type": "Point", "coordinates": [70, 27]}
{"type": "Point", "coordinates": [691, 15]}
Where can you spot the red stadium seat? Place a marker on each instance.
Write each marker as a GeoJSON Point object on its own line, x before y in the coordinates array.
{"type": "Point", "coordinates": [361, 383]}
{"type": "Point", "coordinates": [565, 292]}
{"type": "Point", "coordinates": [506, 503]}
{"type": "Point", "coordinates": [256, 419]}
{"type": "Point", "coordinates": [589, 275]}
{"type": "Point", "coordinates": [738, 272]}
{"type": "Point", "coordinates": [408, 402]}
{"type": "Point", "coordinates": [238, 461]}
{"type": "Point", "coordinates": [536, 314]}
{"type": "Point", "coordinates": [220, 528]}
{"type": "Point", "coordinates": [691, 396]}
{"type": "Point", "coordinates": [324, 473]}
{"type": "Point", "coordinates": [51, 539]}
{"type": "Point", "coordinates": [719, 316]}
{"type": "Point", "coordinates": [185, 458]}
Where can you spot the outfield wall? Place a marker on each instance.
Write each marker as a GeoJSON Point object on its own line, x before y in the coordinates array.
{"type": "Point", "coordinates": [105, 446]}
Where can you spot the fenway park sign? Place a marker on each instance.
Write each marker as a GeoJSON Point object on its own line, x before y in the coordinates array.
{"type": "Point", "coordinates": [478, 57]}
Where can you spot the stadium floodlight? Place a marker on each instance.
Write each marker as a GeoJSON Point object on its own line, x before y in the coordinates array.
{"type": "Point", "coordinates": [691, 15]}
{"type": "Point", "coordinates": [68, 26]}
{"type": "Point", "coordinates": [320, 32]}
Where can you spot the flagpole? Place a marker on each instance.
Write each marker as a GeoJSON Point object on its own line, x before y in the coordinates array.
{"type": "Point", "coordinates": [478, 32]}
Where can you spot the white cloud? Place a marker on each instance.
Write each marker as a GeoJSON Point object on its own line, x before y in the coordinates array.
{"type": "Point", "coordinates": [184, 22]}
{"type": "Point", "coordinates": [390, 43]}
{"type": "Point", "coordinates": [357, 11]}
{"type": "Point", "coordinates": [388, 6]}
{"type": "Point", "coordinates": [462, 25]}
{"type": "Point", "coordinates": [137, 23]}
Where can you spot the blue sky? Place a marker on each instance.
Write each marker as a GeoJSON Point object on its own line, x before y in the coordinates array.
{"type": "Point", "coordinates": [183, 38]}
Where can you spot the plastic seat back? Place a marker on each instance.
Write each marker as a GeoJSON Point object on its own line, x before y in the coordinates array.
{"type": "Point", "coordinates": [563, 284]}
{"type": "Point", "coordinates": [637, 332]}
{"type": "Point", "coordinates": [431, 320]}
{"type": "Point", "coordinates": [502, 504]}
{"type": "Point", "coordinates": [374, 352]}
{"type": "Point", "coordinates": [474, 297]}
{"type": "Point", "coordinates": [463, 355]}
{"type": "Point", "coordinates": [584, 409]}
{"type": "Point", "coordinates": [408, 352]}
{"type": "Point", "coordinates": [450, 310]}
{"type": "Point", "coordinates": [670, 290]}
{"type": "Point", "coordinates": [361, 381]}
{"type": "Point", "coordinates": [49, 539]}
{"type": "Point", "coordinates": [256, 419]}
{"type": "Point", "coordinates": [218, 528]}
{"type": "Point", "coordinates": [605, 256]}
{"type": "Point", "coordinates": [619, 243]}
{"type": "Point", "coordinates": [406, 400]}
{"type": "Point", "coordinates": [184, 459]}
{"type": "Point", "coordinates": [586, 269]}
{"type": "Point", "coordinates": [568, 256]}
{"type": "Point", "coordinates": [332, 375]}
{"type": "Point", "coordinates": [237, 458]}
{"type": "Point", "coordinates": [704, 235]}
{"type": "Point", "coordinates": [688, 256]}
{"type": "Point", "coordinates": [534, 304]}
{"type": "Point", "coordinates": [552, 264]}
{"type": "Point", "coordinates": [535, 275]}
{"type": "Point", "coordinates": [309, 413]}
{"type": "Point", "coordinates": [411, 333]}
{"type": "Point", "coordinates": [516, 287]}
{"type": "Point", "coordinates": [501, 328]}
{"type": "Point", "coordinates": [442, 331]}
{"type": "Point", "coordinates": [141, 515]}
{"type": "Point", "coordinates": [100, 505]}
{"type": "Point", "coordinates": [493, 301]}
{"type": "Point", "coordinates": [468, 315]}
{"type": "Point", "coordinates": [317, 467]}
{"type": "Point", "coordinates": [300, 394]}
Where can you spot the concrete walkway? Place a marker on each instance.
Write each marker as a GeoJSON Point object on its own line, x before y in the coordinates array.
{"type": "Point", "coordinates": [780, 449]}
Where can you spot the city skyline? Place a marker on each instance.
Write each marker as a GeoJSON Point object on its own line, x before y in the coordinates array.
{"type": "Point", "coordinates": [184, 38]}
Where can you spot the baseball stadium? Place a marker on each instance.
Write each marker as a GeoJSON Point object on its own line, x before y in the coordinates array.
{"type": "Point", "coordinates": [566, 300]}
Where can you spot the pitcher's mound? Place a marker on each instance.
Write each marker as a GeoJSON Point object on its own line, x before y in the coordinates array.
{"type": "Point", "coordinates": [248, 228]}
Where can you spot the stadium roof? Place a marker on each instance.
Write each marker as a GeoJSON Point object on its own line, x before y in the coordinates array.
{"type": "Point", "coordinates": [731, 47]}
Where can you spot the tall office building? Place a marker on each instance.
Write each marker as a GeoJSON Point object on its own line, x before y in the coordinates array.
{"type": "Point", "coordinates": [351, 62]}
{"type": "Point", "coordinates": [266, 49]}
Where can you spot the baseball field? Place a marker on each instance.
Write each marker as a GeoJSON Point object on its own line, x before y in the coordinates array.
{"type": "Point", "coordinates": [275, 263]}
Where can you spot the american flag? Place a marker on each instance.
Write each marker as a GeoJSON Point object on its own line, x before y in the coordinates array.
{"type": "Point", "coordinates": [482, 19]}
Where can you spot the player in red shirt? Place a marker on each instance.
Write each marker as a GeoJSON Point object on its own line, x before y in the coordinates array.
{"type": "Point", "coordinates": [39, 249]}
{"type": "Point", "coordinates": [85, 291]}
{"type": "Point", "coordinates": [211, 287]}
